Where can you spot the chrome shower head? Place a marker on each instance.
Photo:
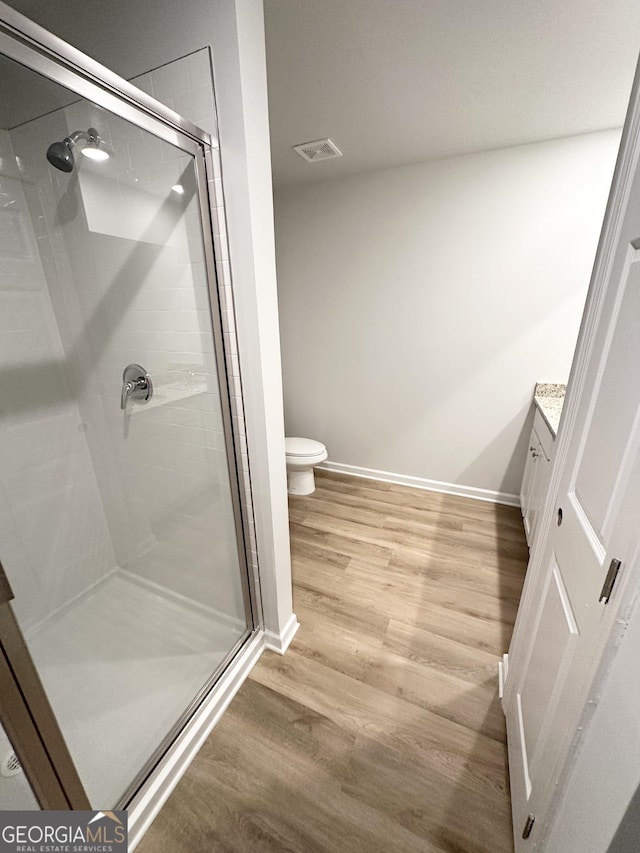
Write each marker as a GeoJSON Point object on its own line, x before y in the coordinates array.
{"type": "Point", "coordinates": [60, 154]}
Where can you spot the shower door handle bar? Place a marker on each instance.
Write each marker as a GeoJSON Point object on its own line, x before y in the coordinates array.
{"type": "Point", "coordinates": [136, 385]}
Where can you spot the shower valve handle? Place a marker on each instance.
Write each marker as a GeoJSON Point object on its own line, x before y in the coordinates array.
{"type": "Point", "coordinates": [136, 385]}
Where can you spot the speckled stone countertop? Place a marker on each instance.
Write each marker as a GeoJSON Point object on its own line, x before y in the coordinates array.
{"type": "Point", "coordinates": [549, 399]}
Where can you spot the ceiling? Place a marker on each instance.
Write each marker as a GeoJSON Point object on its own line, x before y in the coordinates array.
{"type": "Point", "coordinates": [393, 82]}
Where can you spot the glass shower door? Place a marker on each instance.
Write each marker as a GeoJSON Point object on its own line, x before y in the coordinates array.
{"type": "Point", "coordinates": [120, 526]}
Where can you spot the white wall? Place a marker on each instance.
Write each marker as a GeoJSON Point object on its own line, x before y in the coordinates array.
{"type": "Point", "coordinates": [420, 305]}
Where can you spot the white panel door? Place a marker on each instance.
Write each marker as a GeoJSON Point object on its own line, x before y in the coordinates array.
{"type": "Point", "coordinates": [559, 639]}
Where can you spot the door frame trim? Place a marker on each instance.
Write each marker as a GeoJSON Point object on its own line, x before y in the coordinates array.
{"type": "Point", "coordinates": [627, 164]}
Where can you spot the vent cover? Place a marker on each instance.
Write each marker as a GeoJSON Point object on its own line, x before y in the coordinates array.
{"type": "Point", "coordinates": [321, 149]}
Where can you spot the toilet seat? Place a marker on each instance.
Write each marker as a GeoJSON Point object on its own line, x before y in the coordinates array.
{"type": "Point", "coordinates": [303, 447]}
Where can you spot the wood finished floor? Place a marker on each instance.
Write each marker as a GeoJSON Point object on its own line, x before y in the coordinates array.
{"type": "Point", "coordinates": [380, 729]}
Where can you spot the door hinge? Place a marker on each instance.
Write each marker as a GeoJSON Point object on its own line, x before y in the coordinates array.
{"type": "Point", "coordinates": [6, 593]}
{"type": "Point", "coordinates": [609, 581]}
{"type": "Point", "coordinates": [526, 832]}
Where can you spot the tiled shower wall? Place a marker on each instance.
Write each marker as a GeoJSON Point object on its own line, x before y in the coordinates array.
{"type": "Point", "coordinates": [118, 301]}
{"type": "Point", "coordinates": [53, 532]}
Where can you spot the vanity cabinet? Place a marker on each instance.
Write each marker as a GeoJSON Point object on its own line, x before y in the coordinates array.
{"type": "Point", "coordinates": [537, 474]}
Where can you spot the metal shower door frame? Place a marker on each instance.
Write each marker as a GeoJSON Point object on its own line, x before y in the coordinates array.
{"type": "Point", "coordinates": [29, 721]}
{"type": "Point", "coordinates": [24, 707]}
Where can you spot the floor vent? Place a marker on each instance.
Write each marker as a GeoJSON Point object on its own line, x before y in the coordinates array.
{"type": "Point", "coordinates": [321, 149]}
{"type": "Point", "coordinates": [10, 765]}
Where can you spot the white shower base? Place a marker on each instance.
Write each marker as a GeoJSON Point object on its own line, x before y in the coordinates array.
{"type": "Point", "coordinates": [120, 666]}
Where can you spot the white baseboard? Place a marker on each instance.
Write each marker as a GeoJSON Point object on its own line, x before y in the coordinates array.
{"type": "Point", "coordinates": [280, 642]}
{"type": "Point", "coordinates": [423, 483]}
{"type": "Point", "coordinates": [168, 773]}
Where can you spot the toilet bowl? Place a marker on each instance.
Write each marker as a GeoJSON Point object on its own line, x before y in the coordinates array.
{"type": "Point", "coordinates": [302, 455]}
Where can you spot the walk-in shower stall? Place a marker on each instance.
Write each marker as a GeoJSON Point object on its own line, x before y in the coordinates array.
{"type": "Point", "coordinates": [124, 512]}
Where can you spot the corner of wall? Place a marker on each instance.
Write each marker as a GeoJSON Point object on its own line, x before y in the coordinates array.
{"type": "Point", "coordinates": [241, 96]}
{"type": "Point", "coordinates": [279, 643]}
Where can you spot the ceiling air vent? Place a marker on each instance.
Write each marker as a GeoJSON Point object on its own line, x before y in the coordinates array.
{"type": "Point", "coordinates": [321, 149]}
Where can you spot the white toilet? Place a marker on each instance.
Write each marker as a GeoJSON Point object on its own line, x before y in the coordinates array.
{"type": "Point", "coordinates": [302, 455]}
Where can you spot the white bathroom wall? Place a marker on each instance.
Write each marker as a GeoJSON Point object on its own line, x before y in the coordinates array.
{"type": "Point", "coordinates": [54, 542]}
{"type": "Point", "coordinates": [420, 305]}
{"type": "Point", "coordinates": [142, 298]}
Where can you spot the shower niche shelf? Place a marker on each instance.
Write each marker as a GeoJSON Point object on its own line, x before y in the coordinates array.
{"type": "Point", "coordinates": [166, 394]}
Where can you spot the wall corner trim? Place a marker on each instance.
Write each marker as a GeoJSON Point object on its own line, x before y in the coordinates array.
{"type": "Point", "coordinates": [422, 483]}
{"type": "Point", "coordinates": [280, 642]}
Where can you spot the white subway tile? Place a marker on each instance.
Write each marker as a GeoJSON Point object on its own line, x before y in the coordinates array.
{"type": "Point", "coordinates": [238, 425]}
{"type": "Point", "coordinates": [144, 82]}
{"type": "Point", "coordinates": [217, 167]}
{"type": "Point", "coordinates": [218, 196]}
{"type": "Point", "coordinates": [200, 69]}
{"type": "Point", "coordinates": [195, 104]}
{"type": "Point", "coordinates": [172, 79]}
{"type": "Point", "coordinates": [230, 343]}
{"type": "Point", "coordinates": [145, 150]}
{"type": "Point", "coordinates": [208, 124]}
